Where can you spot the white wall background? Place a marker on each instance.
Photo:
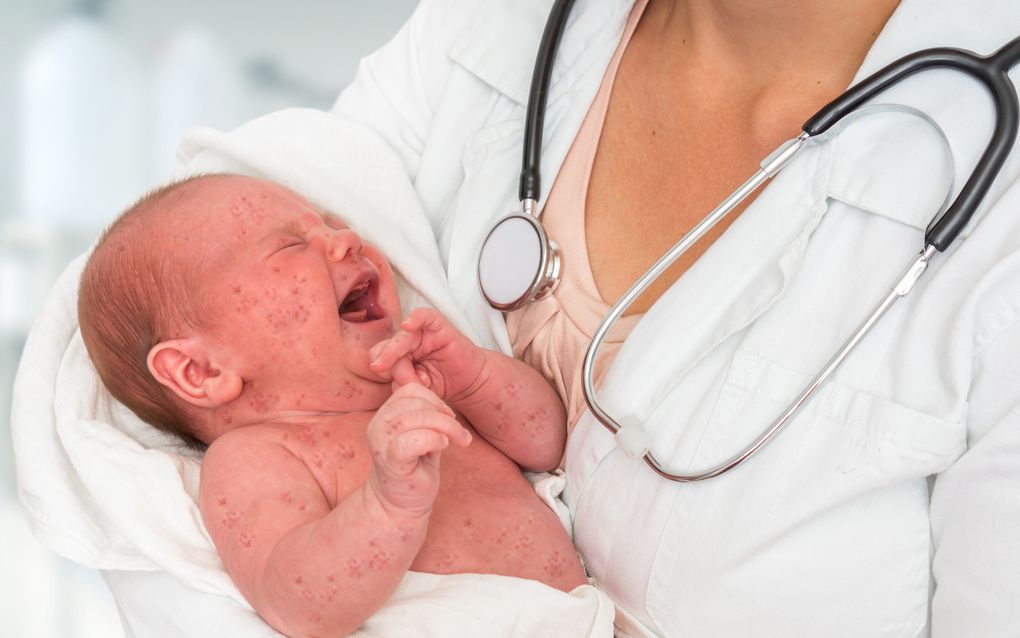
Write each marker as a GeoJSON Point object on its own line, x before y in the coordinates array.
{"type": "Point", "coordinates": [270, 54]}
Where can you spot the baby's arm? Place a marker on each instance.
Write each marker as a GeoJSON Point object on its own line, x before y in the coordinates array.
{"type": "Point", "coordinates": [507, 401]}
{"type": "Point", "coordinates": [309, 570]}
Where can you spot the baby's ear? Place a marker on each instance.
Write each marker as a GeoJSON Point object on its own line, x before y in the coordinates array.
{"type": "Point", "coordinates": [183, 366]}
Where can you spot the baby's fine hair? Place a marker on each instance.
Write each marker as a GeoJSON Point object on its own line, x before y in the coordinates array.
{"type": "Point", "coordinates": [139, 288]}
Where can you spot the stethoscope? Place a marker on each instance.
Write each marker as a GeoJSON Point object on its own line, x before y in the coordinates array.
{"type": "Point", "coordinates": [519, 263]}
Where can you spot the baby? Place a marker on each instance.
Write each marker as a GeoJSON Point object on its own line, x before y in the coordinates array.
{"type": "Point", "coordinates": [233, 313]}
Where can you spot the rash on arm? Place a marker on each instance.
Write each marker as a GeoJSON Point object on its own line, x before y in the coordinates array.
{"type": "Point", "coordinates": [517, 411]}
{"type": "Point", "coordinates": [305, 568]}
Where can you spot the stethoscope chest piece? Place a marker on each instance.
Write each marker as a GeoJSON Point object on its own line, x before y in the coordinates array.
{"type": "Point", "coordinates": [518, 263]}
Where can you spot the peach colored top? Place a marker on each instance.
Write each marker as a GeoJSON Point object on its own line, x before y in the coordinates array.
{"type": "Point", "coordinates": [553, 334]}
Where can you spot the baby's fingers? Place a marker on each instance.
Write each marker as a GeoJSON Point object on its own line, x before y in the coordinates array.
{"type": "Point", "coordinates": [414, 396]}
{"type": "Point", "coordinates": [385, 354]}
{"type": "Point", "coordinates": [431, 420]}
{"type": "Point", "coordinates": [410, 446]}
{"type": "Point", "coordinates": [404, 372]}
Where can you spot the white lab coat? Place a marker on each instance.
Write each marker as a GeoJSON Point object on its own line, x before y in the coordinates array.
{"type": "Point", "coordinates": [836, 528]}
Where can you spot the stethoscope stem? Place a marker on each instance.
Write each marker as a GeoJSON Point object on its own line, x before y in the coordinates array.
{"type": "Point", "coordinates": [521, 232]}
{"type": "Point", "coordinates": [769, 167]}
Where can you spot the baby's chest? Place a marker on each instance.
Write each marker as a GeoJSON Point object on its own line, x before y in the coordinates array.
{"type": "Point", "coordinates": [338, 457]}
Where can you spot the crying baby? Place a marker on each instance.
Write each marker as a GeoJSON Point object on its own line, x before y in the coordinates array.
{"type": "Point", "coordinates": [346, 446]}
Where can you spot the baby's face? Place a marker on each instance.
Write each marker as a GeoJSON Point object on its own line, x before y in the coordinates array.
{"type": "Point", "coordinates": [298, 299]}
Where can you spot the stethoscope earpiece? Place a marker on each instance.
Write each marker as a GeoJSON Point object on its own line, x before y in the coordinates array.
{"type": "Point", "coordinates": [518, 263]}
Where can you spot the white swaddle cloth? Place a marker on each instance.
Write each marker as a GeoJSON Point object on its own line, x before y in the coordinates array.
{"type": "Point", "coordinates": [106, 490]}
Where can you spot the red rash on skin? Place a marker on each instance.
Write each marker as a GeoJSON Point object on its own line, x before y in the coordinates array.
{"type": "Point", "coordinates": [554, 565]}
{"type": "Point", "coordinates": [353, 568]}
{"type": "Point", "coordinates": [261, 402]}
{"type": "Point", "coordinates": [279, 334]}
{"type": "Point", "coordinates": [246, 539]}
{"type": "Point", "coordinates": [447, 561]}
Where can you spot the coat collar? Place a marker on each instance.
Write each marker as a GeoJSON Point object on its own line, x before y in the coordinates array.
{"type": "Point", "coordinates": [890, 164]}
{"type": "Point", "coordinates": [500, 42]}
{"type": "Point", "coordinates": [897, 165]}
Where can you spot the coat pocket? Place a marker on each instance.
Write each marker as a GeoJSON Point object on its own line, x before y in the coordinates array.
{"type": "Point", "coordinates": [824, 532]}
{"type": "Point", "coordinates": [861, 431]}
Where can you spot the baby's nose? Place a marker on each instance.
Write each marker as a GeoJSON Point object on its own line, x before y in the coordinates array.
{"type": "Point", "coordinates": [340, 243]}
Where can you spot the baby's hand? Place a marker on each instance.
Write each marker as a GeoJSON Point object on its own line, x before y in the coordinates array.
{"type": "Point", "coordinates": [430, 351]}
{"type": "Point", "coordinates": [406, 436]}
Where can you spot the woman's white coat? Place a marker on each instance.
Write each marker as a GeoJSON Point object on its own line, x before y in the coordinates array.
{"type": "Point", "coordinates": [890, 506]}
{"type": "Point", "coordinates": [835, 529]}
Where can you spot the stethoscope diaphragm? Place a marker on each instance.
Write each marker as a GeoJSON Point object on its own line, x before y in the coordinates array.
{"type": "Point", "coordinates": [518, 263]}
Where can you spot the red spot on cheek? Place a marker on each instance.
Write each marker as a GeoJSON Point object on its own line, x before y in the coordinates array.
{"type": "Point", "coordinates": [230, 519]}
{"type": "Point", "coordinates": [246, 539]}
{"type": "Point", "coordinates": [353, 568]}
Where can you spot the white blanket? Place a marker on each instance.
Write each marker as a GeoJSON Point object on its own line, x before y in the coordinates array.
{"type": "Point", "coordinates": [108, 491]}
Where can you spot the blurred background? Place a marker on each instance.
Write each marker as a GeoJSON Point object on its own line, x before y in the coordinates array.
{"type": "Point", "coordinates": [94, 96]}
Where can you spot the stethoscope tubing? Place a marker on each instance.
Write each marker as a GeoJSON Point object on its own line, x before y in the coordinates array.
{"type": "Point", "coordinates": [991, 71]}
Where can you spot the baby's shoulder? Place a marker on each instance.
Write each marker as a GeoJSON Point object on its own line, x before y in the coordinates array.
{"type": "Point", "coordinates": [248, 440]}
{"type": "Point", "coordinates": [246, 449]}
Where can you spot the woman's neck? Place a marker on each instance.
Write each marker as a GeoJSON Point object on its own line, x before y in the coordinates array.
{"type": "Point", "coordinates": [761, 42]}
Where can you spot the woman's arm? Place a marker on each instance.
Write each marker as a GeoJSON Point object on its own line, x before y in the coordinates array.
{"type": "Point", "coordinates": [975, 506]}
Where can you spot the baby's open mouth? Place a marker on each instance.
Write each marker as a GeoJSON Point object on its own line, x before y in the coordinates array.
{"type": "Point", "coordinates": [360, 304]}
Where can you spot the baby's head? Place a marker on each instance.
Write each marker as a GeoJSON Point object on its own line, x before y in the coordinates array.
{"type": "Point", "coordinates": [224, 301]}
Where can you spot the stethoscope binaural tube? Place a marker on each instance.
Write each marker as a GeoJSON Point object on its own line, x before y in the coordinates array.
{"type": "Point", "coordinates": [992, 71]}
{"type": "Point", "coordinates": [518, 262]}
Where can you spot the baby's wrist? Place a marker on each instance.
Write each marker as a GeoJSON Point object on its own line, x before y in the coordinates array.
{"type": "Point", "coordinates": [464, 398]}
{"type": "Point", "coordinates": [386, 510]}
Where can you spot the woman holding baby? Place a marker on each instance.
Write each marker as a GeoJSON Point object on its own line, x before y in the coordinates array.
{"type": "Point", "coordinates": [882, 510]}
